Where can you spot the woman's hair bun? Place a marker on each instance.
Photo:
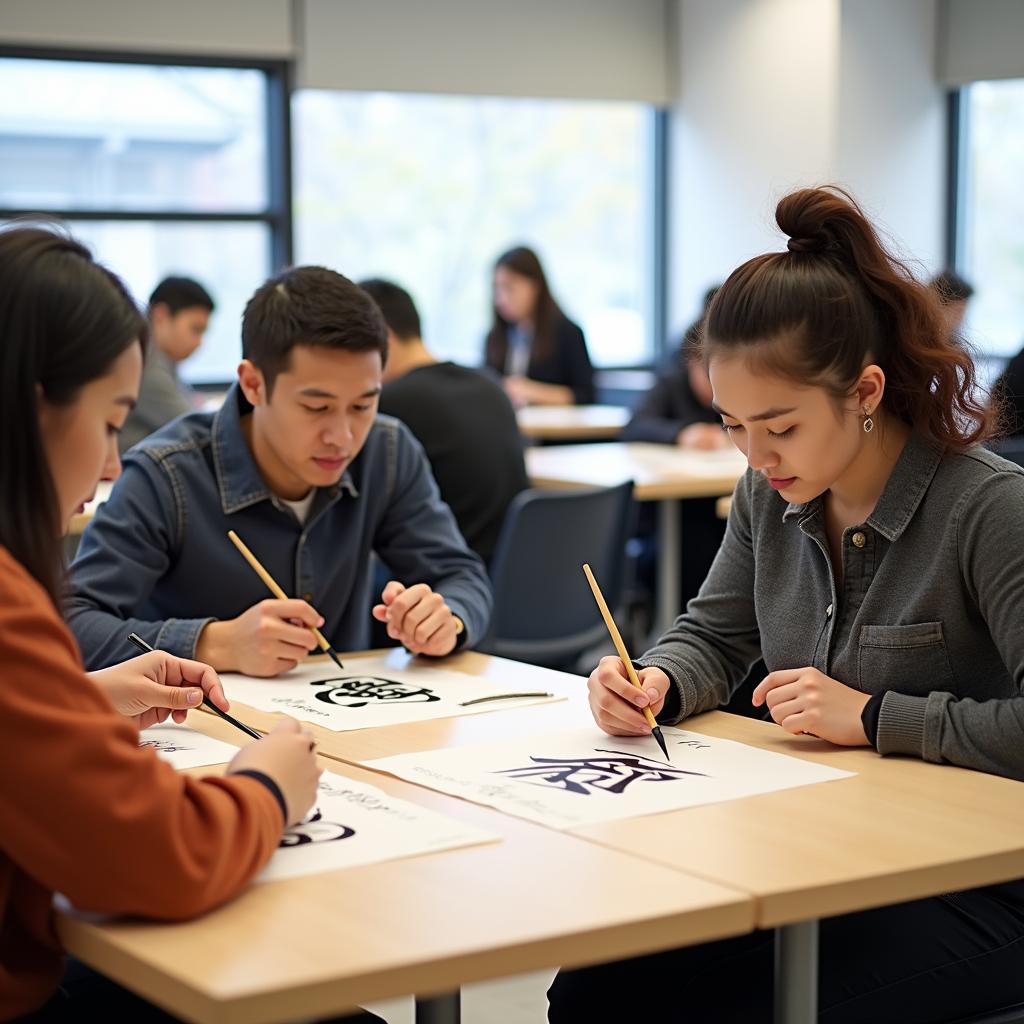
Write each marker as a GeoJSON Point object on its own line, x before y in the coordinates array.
{"type": "Point", "coordinates": [808, 217]}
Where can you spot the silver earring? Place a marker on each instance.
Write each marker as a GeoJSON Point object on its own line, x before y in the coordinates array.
{"type": "Point", "coordinates": [869, 423]}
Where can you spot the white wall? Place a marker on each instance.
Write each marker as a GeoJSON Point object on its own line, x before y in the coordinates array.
{"type": "Point", "coordinates": [776, 94]}
{"type": "Point", "coordinates": [892, 121]}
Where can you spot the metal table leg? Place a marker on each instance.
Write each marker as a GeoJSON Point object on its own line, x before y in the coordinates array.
{"type": "Point", "coordinates": [796, 973]}
{"type": "Point", "coordinates": [439, 1009]}
{"type": "Point", "coordinates": [669, 565]}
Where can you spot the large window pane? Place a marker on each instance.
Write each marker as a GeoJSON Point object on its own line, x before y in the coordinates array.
{"type": "Point", "coordinates": [993, 225]}
{"type": "Point", "coordinates": [229, 260]}
{"type": "Point", "coordinates": [81, 135]}
{"type": "Point", "coordinates": [428, 190]}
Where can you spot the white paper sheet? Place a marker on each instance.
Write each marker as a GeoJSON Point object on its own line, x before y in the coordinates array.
{"type": "Point", "coordinates": [354, 823]}
{"type": "Point", "coordinates": [183, 747]}
{"type": "Point", "coordinates": [582, 777]}
{"type": "Point", "coordinates": [368, 693]}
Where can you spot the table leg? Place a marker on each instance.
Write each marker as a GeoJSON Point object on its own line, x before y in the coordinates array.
{"type": "Point", "coordinates": [670, 562]}
{"type": "Point", "coordinates": [439, 1009]}
{"type": "Point", "coordinates": [796, 973]}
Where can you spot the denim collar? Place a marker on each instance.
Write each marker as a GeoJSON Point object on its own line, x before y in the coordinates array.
{"type": "Point", "coordinates": [238, 477]}
{"type": "Point", "coordinates": [906, 487]}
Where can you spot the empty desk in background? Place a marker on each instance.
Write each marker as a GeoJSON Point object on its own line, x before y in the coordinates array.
{"type": "Point", "coordinates": [572, 422]}
{"type": "Point", "coordinates": [661, 473]}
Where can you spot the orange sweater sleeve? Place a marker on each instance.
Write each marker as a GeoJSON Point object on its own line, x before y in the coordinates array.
{"type": "Point", "coordinates": [84, 810]}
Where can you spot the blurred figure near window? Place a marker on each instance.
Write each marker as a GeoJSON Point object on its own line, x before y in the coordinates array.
{"type": "Point", "coordinates": [539, 351]}
{"type": "Point", "coordinates": [179, 314]}
{"type": "Point", "coordinates": [954, 293]}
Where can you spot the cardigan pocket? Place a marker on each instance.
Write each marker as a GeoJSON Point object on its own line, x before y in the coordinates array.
{"type": "Point", "coordinates": [909, 659]}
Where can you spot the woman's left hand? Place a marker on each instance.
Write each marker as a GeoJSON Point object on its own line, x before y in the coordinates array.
{"type": "Point", "coordinates": [804, 700]}
{"type": "Point", "coordinates": [149, 688]}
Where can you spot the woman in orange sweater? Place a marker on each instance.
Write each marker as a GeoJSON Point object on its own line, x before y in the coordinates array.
{"type": "Point", "coordinates": [83, 810]}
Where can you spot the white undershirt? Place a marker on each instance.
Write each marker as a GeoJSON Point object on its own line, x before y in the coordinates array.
{"type": "Point", "coordinates": [302, 506]}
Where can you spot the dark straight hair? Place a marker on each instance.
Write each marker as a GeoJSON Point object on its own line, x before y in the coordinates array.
{"type": "Point", "coordinates": [837, 300]}
{"type": "Point", "coordinates": [523, 261]}
{"type": "Point", "coordinates": [63, 321]}
{"type": "Point", "coordinates": [309, 306]}
{"type": "Point", "coordinates": [178, 293]}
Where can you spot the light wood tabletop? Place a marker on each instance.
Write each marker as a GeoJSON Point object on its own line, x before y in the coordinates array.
{"type": "Point", "coordinates": [572, 422]}
{"type": "Point", "coordinates": [321, 944]}
{"type": "Point", "coordinates": [659, 471]}
{"type": "Point", "coordinates": [897, 830]}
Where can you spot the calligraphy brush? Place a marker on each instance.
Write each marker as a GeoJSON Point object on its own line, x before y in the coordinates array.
{"type": "Point", "coordinates": [279, 593]}
{"type": "Point", "coordinates": [143, 646]}
{"type": "Point", "coordinates": [620, 648]}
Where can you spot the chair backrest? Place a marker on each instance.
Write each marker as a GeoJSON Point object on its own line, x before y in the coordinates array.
{"type": "Point", "coordinates": [544, 612]}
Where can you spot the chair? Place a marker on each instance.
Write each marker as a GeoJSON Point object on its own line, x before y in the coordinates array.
{"type": "Point", "coordinates": [544, 612]}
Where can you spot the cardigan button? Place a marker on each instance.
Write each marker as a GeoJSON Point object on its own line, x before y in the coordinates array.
{"type": "Point", "coordinates": [859, 540]}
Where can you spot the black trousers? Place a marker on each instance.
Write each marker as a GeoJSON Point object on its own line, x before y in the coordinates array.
{"type": "Point", "coordinates": [942, 959]}
{"type": "Point", "coordinates": [86, 996]}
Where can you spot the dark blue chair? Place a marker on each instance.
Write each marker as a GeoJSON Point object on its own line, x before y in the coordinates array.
{"type": "Point", "coordinates": [544, 612]}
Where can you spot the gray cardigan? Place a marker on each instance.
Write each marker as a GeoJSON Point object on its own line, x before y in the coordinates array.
{"type": "Point", "coordinates": [930, 608]}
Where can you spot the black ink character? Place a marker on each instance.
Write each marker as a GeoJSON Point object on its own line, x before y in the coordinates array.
{"type": "Point", "coordinates": [164, 746]}
{"type": "Point", "coordinates": [607, 774]}
{"type": "Point", "coordinates": [313, 829]}
{"type": "Point", "coordinates": [359, 691]}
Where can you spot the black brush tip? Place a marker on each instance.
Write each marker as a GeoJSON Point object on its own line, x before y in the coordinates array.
{"type": "Point", "coordinates": [656, 733]}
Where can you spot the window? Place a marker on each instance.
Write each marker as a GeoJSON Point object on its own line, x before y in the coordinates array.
{"type": "Point", "coordinates": [990, 212]}
{"type": "Point", "coordinates": [159, 168]}
{"type": "Point", "coordinates": [428, 190]}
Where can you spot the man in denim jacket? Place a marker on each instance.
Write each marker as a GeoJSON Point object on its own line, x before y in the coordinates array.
{"type": "Point", "coordinates": [298, 463]}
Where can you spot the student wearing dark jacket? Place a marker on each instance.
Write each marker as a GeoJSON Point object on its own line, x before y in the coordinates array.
{"type": "Point", "coordinates": [463, 419]}
{"type": "Point", "coordinates": [539, 351]}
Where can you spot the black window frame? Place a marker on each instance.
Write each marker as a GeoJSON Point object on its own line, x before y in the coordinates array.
{"type": "Point", "coordinates": [276, 215]}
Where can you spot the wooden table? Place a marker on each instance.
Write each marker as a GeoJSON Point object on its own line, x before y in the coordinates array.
{"type": "Point", "coordinates": [901, 829]}
{"type": "Point", "coordinates": [320, 945]}
{"type": "Point", "coordinates": [662, 473]}
{"type": "Point", "coordinates": [572, 422]}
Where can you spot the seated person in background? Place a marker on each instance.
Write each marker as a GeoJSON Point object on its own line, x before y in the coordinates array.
{"type": "Point", "coordinates": [464, 421]}
{"type": "Point", "coordinates": [179, 313]}
{"type": "Point", "coordinates": [677, 410]}
{"type": "Point", "coordinates": [539, 351]}
{"type": "Point", "coordinates": [953, 292]}
{"type": "Point", "coordinates": [1008, 397]}
{"type": "Point", "coordinates": [300, 465]}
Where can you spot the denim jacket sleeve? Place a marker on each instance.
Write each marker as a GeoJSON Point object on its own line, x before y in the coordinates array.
{"type": "Point", "coordinates": [125, 550]}
{"type": "Point", "coordinates": [419, 541]}
{"type": "Point", "coordinates": [709, 649]}
{"type": "Point", "coordinates": [986, 735]}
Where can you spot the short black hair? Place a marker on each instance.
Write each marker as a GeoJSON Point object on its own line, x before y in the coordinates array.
{"type": "Point", "coordinates": [178, 293]}
{"type": "Point", "coordinates": [397, 306]}
{"type": "Point", "coordinates": [309, 306]}
{"type": "Point", "coordinates": [951, 287]}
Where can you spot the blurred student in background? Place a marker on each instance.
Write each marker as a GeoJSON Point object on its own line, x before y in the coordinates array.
{"type": "Point", "coordinates": [677, 410]}
{"type": "Point", "coordinates": [464, 421]}
{"type": "Point", "coordinates": [179, 314]}
{"type": "Point", "coordinates": [954, 293]}
{"type": "Point", "coordinates": [539, 351]}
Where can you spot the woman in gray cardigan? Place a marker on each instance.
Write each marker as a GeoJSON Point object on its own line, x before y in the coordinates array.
{"type": "Point", "coordinates": [874, 557]}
